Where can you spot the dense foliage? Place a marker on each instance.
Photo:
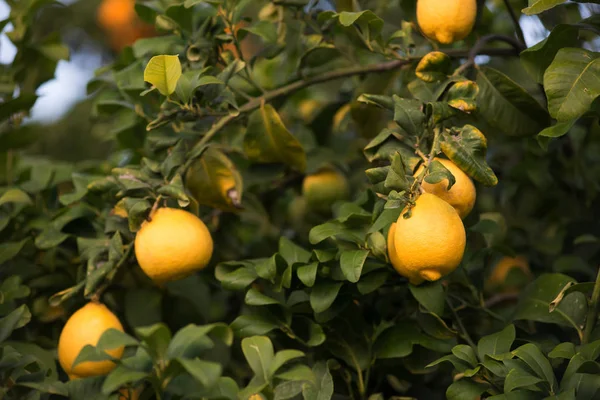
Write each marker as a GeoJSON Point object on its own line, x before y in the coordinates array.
{"type": "Point", "coordinates": [224, 113]}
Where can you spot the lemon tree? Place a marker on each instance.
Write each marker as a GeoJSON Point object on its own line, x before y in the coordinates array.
{"type": "Point", "coordinates": [302, 199]}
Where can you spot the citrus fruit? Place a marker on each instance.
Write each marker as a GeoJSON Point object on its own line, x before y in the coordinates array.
{"type": "Point", "coordinates": [509, 275]}
{"type": "Point", "coordinates": [114, 14]}
{"type": "Point", "coordinates": [446, 21]}
{"type": "Point", "coordinates": [461, 195]}
{"type": "Point", "coordinates": [172, 245]}
{"type": "Point", "coordinates": [85, 327]}
{"type": "Point", "coordinates": [324, 188]}
{"type": "Point", "coordinates": [429, 243]}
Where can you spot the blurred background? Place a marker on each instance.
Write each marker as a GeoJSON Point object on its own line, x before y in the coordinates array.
{"type": "Point", "coordinates": [96, 30]}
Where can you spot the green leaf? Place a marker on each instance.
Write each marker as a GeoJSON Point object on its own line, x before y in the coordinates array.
{"type": "Point", "coordinates": [283, 357]}
{"type": "Point", "coordinates": [396, 177]}
{"type": "Point", "coordinates": [250, 325]}
{"type": "Point", "coordinates": [531, 355]}
{"type": "Point", "coordinates": [323, 295]}
{"type": "Point", "coordinates": [258, 351]}
{"type": "Point", "coordinates": [538, 57]}
{"type": "Point", "coordinates": [507, 106]}
{"type": "Point", "coordinates": [430, 295]}
{"type": "Point", "coordinates": [467, 149]}
{"type": "Point", "coordinates": [15, 196]}
{"type": "Point", "coordinates": [192, 340]}
{"type": "Point", "coordinates": [308, 274]}
{"type": "Point", "coordinates": [434, 66]}
{"type": "Point", "coordinates": [291, 252]}
{"type": "Point", "coordinates": [557, 130]}
{"type": "Point", "coordinates": [214, 181]}
{"type": "Point", "coordinates": [352, 263]}
{"type": "Point", "coordinates": [163, 72]}
{"type": "Point", "coordinates": [267, 140]}
{"type": "Point", "coordinates": [398, 342]}
{"type": "Point", "coordinates": [408, 113]}
{"type": "Point", "coordinates": [563, 350]}
{"type": "Point", "coordinates": [465, 389]}
{"type": "Point", "coordinates": [156, 337]}
{"type": "Point", "coordinates": [517, 379]}
{"type": "Point", "coordinates": [535, 302]}
{"type": "Point", "coordinates": [14, 320]}
{"type": "Point", "coordinates": [538, 6]}
{"type": "Point", "coordinates": [571, 83]}
{"type": "Point", "coordinates": [120, 376]}
{"type": "Point", "coordinates": [256, 298]}
{"type": "Point", "coordinates": [265, 29]}
{"type": "Point", "coordinates": [465, 353]}
{"type": "Point", "coordinates": [10, 250]}
{"type": "Point", "coordinates": [322, 389]}
{"type": "Point", "coordinates": [23, 103]}
{"type": "Point", "coordinates": [437, 173]}
{"type": "Point", "coordinates": [332, 228]}
{"type": "Point", "coordinates": [235, 275]}
{"type": "Point", "coordinates": [372, 281]}
{"type": "Point", "coordinates": [207, 373]}
{"type": "Point", "coordinates": [175, 190]}
{"type": "Point", "coordinates": [114, 338]}
{"type": "Point", "coordinates": [496, 343]}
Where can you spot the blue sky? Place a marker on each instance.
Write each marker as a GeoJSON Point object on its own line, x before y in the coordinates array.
{"type": "Point", "coordinates": [68, 87]}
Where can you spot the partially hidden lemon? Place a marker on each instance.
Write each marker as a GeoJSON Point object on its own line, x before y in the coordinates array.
{"type": "Point", "coordinates": [172, 245]}
{"type": "Point", "coordinates": [446, 21]}
{"type": "Point", "coordinates": [430, 243]}
{"type": "Point", "coordinates": [324, 188]}
{"type": "Point", "coordinates": [85, 327]}
{"type": "Point", "coordinates": [498, 279]}
{"type": "Point", "coordinates": [461, 195]}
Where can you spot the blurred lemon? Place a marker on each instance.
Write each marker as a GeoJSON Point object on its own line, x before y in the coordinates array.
{"type": "Point", "coordinates": [509, 275]}
{"type": "Point", "coordinates": [322, 189]}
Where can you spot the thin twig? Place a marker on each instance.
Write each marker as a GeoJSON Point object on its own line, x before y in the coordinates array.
{"type": "Point", "coordinates": [326, 77]}
{"type": "Point", "coordinates": [592, 315]}
{"type": "Point", "coordinates": [478, 49]}
{"type": "Point", "coordinates": [515, 20]}
{"type": "Point", "coordinates": [465, 333]}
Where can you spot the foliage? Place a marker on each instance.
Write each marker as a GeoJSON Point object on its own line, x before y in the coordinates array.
{"type": "Point", "coordinates": [298, 302]}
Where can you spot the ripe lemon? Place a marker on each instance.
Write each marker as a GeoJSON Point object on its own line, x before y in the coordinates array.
{"type": "Point", "coordinates": [173, 245]}
{"type": "Point", "coordinates": [430, 243]}
{"type": "Point", "coordinates": [324, 188]}
{"type": "Point", "coordinates": [446, 21]}
{"type": "Point", "coordinates": [85, 327]}
{"type": "Point", "coordinates": [500, 278]}
{"type": "Point", "coordinates": [462, 194]}
{"type": "Point", "coordinates": [114, 14]}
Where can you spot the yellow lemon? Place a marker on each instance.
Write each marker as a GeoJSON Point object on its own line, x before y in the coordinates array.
{"type": "Point", "coordinates": [85, 327]}
{"type": "Point", "coordinates": [430, 243]}
{"type": "Point", "coordinates": [446, 21]}
{"type": "Point", "coordinates": [322, 189]}
{"type": "Point", "coordinates": [497, 281]}
{"type": "Point", "coordinates": [172, 245]}
{"type": "Point", "coordinates": [461, 196]}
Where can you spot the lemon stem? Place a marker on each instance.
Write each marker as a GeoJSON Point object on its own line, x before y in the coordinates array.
{"type": "Point", "coordinates": [592, 315]}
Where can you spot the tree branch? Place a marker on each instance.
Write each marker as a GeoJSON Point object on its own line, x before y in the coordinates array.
{"type": "Point", "coordinates": [515, 20]}
{"type": "Point", "coordinates": [592, 315]}
{"type": "Point", "coordinates": [330, 76]}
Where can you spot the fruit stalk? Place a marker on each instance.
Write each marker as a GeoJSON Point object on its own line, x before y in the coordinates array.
{"type": "Point", "coordinates": [592, 315]}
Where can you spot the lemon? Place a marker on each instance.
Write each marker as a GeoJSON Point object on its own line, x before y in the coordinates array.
{"type": "Point", "coordinates": [85, 327]}
{"type": "Point", "coordinates": [446, 21]}
{"type": "Point", "coordinates": [114, 14]}
{"type": "Point", "coordinates": [430, 243]}
{"type": "Point", "coordinates": [500, 277]}
{"type": "Point", "coordinates": [461, 196]}
{"type": "Point", "coordinates": [172, 245]}
{"type": "Point", "coordinates": [324, 188]}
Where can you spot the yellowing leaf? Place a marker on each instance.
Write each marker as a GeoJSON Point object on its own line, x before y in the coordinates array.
{"type": "Point", "coordinates": [163, 72]}
{"type": "Point", "coordinates": [467, 149]}
{"type": "Point", "coordinates": [214, 181]}
{"type": "Point", "coordinates": [267, 140]}
{"type": "Point", "coordinates": [434, 66]}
